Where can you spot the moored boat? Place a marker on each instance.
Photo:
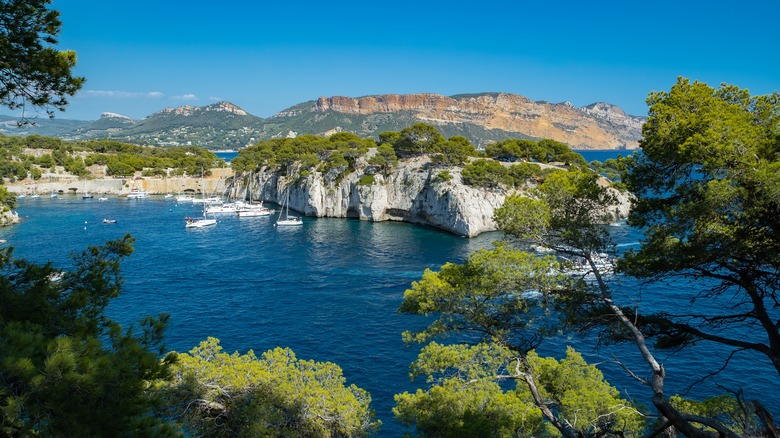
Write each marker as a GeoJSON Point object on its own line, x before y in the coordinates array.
{"type": "Point", "coordinates": [137, 194]}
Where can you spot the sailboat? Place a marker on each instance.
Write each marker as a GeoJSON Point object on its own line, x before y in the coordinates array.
{"type": "Point", "coordinates": [204, 221]}
{"type": "Point", "coordinates": [53, 193]}
{"type": "Point", "coordinates": [86, 194]}
{"type": "Point", "coordinates": [252, 210]}
{"type": "Point", "coordinates": [35, 192]}
{"type": "Point", "coordinates": [168, 195]}
{"type": "Point", "coordinates": [287, 221]}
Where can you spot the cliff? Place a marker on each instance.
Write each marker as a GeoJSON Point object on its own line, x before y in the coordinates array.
{"type": "Point", "coordinates": [482, 118]}
{"type": "Point", "coordinates": [9, 217]}
{"type": "Point", "coordinates": [596, 126]}
{"type": "Point", "coordinates": [411, 193]}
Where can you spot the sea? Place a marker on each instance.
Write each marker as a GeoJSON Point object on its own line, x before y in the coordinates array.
{"type": "Point", "coordinates": [329, 290]}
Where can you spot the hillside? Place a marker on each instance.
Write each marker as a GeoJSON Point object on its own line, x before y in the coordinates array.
{"type": "Point", "coordinates": [482, 118]}
{"type": "Point", "coordinates": [41, 126]}
{"type": "Point", "coordinates": [489, 116]}
{"type": "Point", "coordinates": [218, 126]}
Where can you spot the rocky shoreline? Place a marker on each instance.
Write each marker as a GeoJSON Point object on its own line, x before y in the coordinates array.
{"type": "Point", "coordinates": [8, 218]}
{"type": "Point", "coordinates": [412, 193]}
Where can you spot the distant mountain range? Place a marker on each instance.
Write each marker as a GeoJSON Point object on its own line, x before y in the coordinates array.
{"type": "Point", "coordinates": [482, 118]}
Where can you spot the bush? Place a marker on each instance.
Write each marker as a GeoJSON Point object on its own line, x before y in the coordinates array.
{"type": "Point", "coordinates": [487, 173]}
{"type": "Point", "coordinates": [366, 180]}
{"type": "Point", "coordinates": [275, 394]}
{"type": "Point", "coordinates": [521, 172]}
{"type": "Point", "coordinates": [443, 176]}
{"type": "Point", "coordinates": [119, 168]}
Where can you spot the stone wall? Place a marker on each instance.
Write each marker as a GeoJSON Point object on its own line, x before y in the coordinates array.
{"type": "Point", "coordinates": [68, 184]}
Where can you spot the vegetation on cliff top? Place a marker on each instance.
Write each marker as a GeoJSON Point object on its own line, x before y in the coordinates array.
{"type": "Point", "coordinates": [340, 153]}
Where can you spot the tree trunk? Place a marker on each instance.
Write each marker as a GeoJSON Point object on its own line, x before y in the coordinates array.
{"type": "Point", "coordinates": [677, 420]}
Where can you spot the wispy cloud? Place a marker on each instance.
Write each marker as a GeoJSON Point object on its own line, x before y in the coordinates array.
{"type": "Point", "coordinates": [188, 96]}
{"type": "Point", "coordinates": [215, 99]}
{"type": "Point", "coordinates": [123, 94]}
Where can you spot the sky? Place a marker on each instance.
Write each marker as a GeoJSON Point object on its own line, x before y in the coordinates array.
{"type": "Point", "coordinates": [141, 56]}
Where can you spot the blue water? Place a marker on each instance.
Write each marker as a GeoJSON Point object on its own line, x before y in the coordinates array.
{"type": "Point", "coordinates": [329, 289]}
{"type": "Point", "coordinates": [603, 155]}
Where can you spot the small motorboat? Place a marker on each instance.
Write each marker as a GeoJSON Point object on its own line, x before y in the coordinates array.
{"type": "Point", "coordinates": [109, 221]}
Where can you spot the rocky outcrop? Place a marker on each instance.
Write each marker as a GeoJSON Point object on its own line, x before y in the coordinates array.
{"type": "Point", "coordinates": [9, 217]}
{"type": "Point", "coordinates": [188, 110]}
{"type": "Point", "coordinates": [597, 126]}
{"type": "Point", "coordinates": [412, 193]}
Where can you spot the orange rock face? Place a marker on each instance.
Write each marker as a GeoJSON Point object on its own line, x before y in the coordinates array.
{"type": "Point", "coordinates": [597, 126]}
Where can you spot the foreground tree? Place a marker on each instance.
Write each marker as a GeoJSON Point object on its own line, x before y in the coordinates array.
{"type": "Point", "coordinates": [31, 72]}
{"type": "Point", "coordinates": [219, 394]}
{"type": "Point", "coordinates": [708, 196]}
{"type": "Point", "coordinates": [65, 368]}
{"type": "Point", "coordinates": [565, 216]}
{"type": "Point", "coordinates": [503, 297]}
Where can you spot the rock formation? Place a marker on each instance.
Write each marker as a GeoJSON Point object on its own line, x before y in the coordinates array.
{"type": "Point", "coordinates": [597, 126]}
{"type": "Point", "coordinates": [188, 110]}
{"type": "Point", "coordinates": [9, 217]}
{"type": "Point", "coordinates": [411, 193]}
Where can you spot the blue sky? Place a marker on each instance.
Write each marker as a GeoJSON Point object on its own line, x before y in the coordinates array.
{"type": "Point", "coordinates": [141, 56]}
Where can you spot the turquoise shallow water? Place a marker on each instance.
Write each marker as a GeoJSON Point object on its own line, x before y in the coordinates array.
{"type": "Point", "coordinates": [329, 289]}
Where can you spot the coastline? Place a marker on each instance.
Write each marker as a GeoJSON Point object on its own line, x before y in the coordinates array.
{"type": "Point", "coordinates": [64, 184]}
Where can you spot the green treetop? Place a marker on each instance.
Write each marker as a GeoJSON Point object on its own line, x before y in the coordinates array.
{"type": "Point", "coordinates": [66, 369]}
{"type": "Point", "coordinates": [708, 198]}
{"type": "Point", "coordinates": [710, 215]}
{"type": "Point", "coordinates": [503, 301]}
{"type": "Point", "coordinates": [276, 395]}
{"type": "Point", "coordinates": [31, 72]}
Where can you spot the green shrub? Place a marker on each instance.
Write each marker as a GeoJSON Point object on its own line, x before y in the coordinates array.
{"type": "Point", "coordinates": [443, 176]}
{"type": "Point", "coordinates": [487, 173]}
{"type": "Point", "coordinates": [366, 180]}
{"type": "Point", "coordinates": [522, 172]}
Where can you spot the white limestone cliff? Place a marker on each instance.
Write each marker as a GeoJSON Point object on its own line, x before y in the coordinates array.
{"type": "Point", "coordinates": [411, 193]}
{"type": "Point", "coordinates": [9, 217]}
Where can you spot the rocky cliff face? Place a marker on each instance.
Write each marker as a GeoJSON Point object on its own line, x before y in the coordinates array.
{"type": "Point", "coordinates": [9, 217]}
{"type": "Point", "coordinates": [187, 110]}
{"type": "Point", "coordinates": [597, 126]}
{"type": "Point", "coordinates": [411, 193]}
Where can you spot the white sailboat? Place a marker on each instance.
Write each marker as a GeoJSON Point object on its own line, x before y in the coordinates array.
{"type": "Point", "coordinates": [53, 193]}
{"type": "Point", "coordinates": [287, 221]}
{"type": "Point", "coordinates": [251, 210]}
{"type": "Point", "coordinates": [35, 190]}
{"type": "Point", "coordinates": [200, 222]}
{"type": "Point", "coordinates": [86, 194]}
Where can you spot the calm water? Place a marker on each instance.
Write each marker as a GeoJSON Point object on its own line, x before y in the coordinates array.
{"type": "Point", "coordinates": [329, 289]}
